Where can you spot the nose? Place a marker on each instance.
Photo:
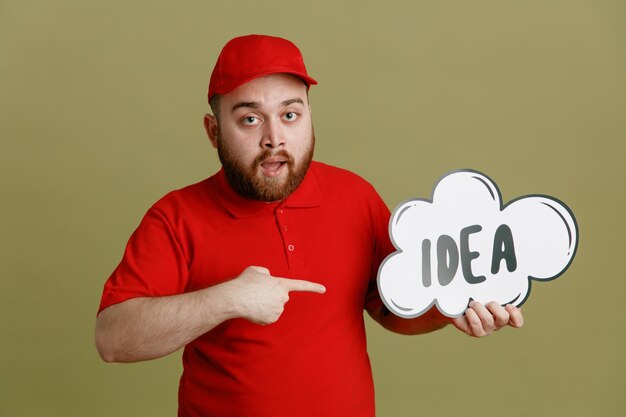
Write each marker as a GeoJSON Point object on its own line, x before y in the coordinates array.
{"type": "Point", "coordinates": [272, 135]}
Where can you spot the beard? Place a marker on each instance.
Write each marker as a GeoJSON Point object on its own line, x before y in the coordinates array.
{"type": "Point", "coordinates": [250, 182]}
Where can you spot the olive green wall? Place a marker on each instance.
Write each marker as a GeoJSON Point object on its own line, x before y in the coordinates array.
{"type": "Point", "coordinates": [100, 114]}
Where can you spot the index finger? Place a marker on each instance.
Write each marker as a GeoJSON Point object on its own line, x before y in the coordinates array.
{"type": "Point", "coordinates": [301, 285]}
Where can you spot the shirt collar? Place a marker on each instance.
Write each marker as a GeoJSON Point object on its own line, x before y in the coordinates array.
{"type": "Point", "coordinates": [306, 195]}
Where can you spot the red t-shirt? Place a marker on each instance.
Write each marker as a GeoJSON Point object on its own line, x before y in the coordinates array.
{"type": "Point", "coordinates": [313, 360]}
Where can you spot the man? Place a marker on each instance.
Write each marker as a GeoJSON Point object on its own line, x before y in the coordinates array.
{"type": "Point", "coordinates": [212, 266]}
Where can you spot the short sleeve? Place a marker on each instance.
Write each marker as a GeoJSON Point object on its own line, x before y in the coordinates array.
{"type": "Point", "coordinates": [380, 216]}
{"type": "Point", "coordinates": [153, 264]}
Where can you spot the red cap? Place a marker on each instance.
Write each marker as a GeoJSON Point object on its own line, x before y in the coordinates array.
{"type": "Point", "coordinates": [248, 57]}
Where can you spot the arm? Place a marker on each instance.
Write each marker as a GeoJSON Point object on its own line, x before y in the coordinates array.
{"type": "Point", "coordinates": [479, 320]}
{"type": "Point", "coordinates": [148, 328]}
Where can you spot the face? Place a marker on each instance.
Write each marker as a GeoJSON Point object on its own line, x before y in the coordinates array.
{"type": "Point", "coordinates": [264, 136]}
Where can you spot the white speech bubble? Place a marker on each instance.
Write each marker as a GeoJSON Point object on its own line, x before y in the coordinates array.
{"type": "Point", "coordinates": [465, 245]}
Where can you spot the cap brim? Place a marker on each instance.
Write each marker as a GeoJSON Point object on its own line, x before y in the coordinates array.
{"type": "Point", "coordinates": [225, 89]}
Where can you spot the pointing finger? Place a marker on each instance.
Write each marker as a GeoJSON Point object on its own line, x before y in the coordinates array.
{"type": "Point", "coordinates": [300, 285]}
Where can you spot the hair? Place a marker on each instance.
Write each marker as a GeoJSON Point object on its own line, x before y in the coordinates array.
{"type": "Point", "coordinates": [215, 105]}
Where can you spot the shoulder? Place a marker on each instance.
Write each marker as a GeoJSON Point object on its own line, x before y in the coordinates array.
{"type": "Point", "coordinates": [184, 199]}
{"type": "Point", "coordinates": [352, 199]}
{"type": "Point", "coordinates": [344, 188]}
{"type": "Point", "coordinates": [331, 177]}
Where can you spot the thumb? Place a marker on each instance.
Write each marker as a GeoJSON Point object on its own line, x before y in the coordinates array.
{"type": "Point", "coordinates": [258, 269]}
{"type": "Point", "coordinates": [461, 323]}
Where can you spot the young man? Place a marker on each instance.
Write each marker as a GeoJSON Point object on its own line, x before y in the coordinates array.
{"type": "Point", "coordinates": [212, 266]}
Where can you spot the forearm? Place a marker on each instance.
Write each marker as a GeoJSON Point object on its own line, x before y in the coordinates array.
{"type": "Point", "coordinates": [148, 328]}
{"type": "Point", "coordinates": [428, 322]}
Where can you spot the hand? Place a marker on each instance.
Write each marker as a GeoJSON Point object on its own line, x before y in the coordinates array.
{"type": "Point", "coordinates": [262, 297]}
{"type": "Point", "coordinates": [481, 320]}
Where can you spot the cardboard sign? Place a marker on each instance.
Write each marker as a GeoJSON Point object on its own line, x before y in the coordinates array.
{"type": "Point", "coordinates": [465, 245]}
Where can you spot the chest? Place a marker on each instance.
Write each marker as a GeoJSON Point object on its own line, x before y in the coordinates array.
{"type": "Point", "coordinates": [316, 244]}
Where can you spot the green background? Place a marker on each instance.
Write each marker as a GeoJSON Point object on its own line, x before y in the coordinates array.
{"type": "Point", "coordinates": [101, 105]}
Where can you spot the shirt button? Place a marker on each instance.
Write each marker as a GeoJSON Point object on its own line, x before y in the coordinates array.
{"type": "Point", "coordinates": [291, 248]}
{"type": "Point", "coordinates": [285, 228]}
{"type": "Point", "coordinates": [281, 211]}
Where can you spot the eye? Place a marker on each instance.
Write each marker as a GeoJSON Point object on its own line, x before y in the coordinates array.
{"type": "Point", "coordinates": [250, 120]}
{"type": "Point", "coordinates": [291, 116]}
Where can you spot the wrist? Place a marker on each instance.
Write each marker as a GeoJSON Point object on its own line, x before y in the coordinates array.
{"type": "Point", "coordinates": [218, 302]}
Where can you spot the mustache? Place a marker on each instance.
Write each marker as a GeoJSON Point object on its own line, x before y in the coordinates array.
{"type": "Point", "coordinates": [276, 154]}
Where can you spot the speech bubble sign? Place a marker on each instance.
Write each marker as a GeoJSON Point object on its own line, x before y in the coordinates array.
{"type": "Point", "coordinates": [465, 245]}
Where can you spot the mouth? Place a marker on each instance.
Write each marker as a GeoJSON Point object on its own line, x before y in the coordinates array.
{"type": "Point", "coordinates": [273, 166]}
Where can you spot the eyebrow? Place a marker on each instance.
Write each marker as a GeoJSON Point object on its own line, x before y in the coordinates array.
{"type": "Point", "coordinates": [255, 105]}
{"type": "Point", "coordinates": [293, 100]}
{"type": "Point", "coordinates": [252, 104]}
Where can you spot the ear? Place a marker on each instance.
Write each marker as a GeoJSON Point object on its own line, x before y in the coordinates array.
{"type": "Point", "coordinates": [211, 127]}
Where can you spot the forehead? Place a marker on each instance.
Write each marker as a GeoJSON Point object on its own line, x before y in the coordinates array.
{"type": "Point", "coordinates": [268, 90]}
